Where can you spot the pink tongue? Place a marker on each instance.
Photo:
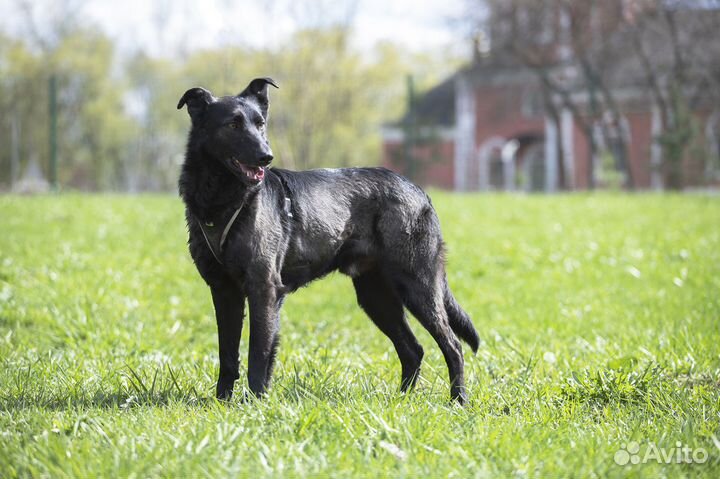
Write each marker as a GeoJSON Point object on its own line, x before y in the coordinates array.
{"type": "Point", "coordinates": [260, 174]}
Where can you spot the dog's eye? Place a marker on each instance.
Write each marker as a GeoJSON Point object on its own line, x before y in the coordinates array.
{"type": "Point", "coordinates": [234, 125]}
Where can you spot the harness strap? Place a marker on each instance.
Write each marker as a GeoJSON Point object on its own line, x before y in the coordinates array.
{"type": "Point", "coordinates": [215, 239]}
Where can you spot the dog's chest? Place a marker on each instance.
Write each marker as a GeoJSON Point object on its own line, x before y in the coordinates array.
{"type": "Point", "coordinates": [311, 252]}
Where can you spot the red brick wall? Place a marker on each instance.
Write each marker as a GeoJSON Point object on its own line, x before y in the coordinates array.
{"type": "Point", "coordinates": [581, 161]}
{"type": "Point", "coordinates": [639, 124]}
{"type": "Point", "coordinates": [390, 151]}
{"type": "Point", "coordinates": [499, 113]}
{"type": "Point", "coordinates": [438, 165]}
{"type": "Point", "coordinates": [639, 148]}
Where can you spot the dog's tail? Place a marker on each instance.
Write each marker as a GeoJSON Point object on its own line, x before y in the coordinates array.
{"type": "Point", "coordinates": [460, 321]}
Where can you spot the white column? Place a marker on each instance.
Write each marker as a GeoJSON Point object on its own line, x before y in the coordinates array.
{"type": "Point", "coordinates": [508, 153]}
{"type": "Point", "coordinates": [711, 139]}
{"type": "Point", "coordinates": [14, 149]}
{"type": "Point", "coordinates": [484, 171]}
{"type": "Point", "coordinates": [567, 125]}
{"type": "Point", "coordinates": [551, 155]}
{"type": "Point", "coordinates": [464, 131]}
{"type": "Point", "coordinates": [655, 150]}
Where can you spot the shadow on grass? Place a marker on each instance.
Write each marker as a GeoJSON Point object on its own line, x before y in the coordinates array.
{"type": "Point", "coordinates": [131, 389]}
{"type": "Point", "coordinates": [165, 388]}
{"type": "Point", "coordinates": [119, 400]}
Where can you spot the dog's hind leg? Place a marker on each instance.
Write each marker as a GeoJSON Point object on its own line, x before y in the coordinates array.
{"type": "Point", "coordinates": [425, 302]}
{"type": "Point", "coordinates": [382, 304]}
{"type": "Point", "coordinates": [229, 311]}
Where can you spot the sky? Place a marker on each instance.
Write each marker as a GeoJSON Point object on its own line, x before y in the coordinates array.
{"type": "Point", "coordinates": [167, 26]}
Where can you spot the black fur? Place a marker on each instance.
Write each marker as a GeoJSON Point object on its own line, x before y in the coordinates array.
{"type": "Point", "coordinates": [369, 223]}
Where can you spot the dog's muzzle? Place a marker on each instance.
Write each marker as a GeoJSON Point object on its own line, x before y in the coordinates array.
{"type": "Point", "coordinates": [254, 173]}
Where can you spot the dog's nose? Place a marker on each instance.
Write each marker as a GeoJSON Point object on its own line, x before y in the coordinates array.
{"type": "Point", "coordinates": [265, 159]}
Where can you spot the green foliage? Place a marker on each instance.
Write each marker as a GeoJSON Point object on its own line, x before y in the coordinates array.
{"type": "Point", "coordinates": [677, 138]}
{"type": "Point", "coordinates": [93, 128]}
{"type": "Point", "coordinates": [118, 123]}
{"type": "Point", "coordinates": [608, 175]}
{"type": "Point", "coordinates": [598, 317]}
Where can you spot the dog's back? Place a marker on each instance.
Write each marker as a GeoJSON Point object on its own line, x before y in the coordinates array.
{"type": "Point", "coordinates": [369, 213]}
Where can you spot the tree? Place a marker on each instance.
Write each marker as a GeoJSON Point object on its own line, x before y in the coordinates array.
{"type": "Point", "coordinates": [675, 46]}
{"type": "Point", "coordinates": [90, 111]}
{"type": "Point", "coordinates": [584, 51]}
{"type": "Point", "coordinates": [567, 44]}
{"type": "Point", "coordinates": [119, 128]}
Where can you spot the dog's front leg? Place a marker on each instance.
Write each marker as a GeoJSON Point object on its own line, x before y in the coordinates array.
{"type": "Point", "coordinates": [229, 312]}
{"type": "Point", "coordinates": [264, 330]}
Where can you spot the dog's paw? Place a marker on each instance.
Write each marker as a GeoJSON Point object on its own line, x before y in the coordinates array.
{"type": "Point", "coordinates": [224, 392]}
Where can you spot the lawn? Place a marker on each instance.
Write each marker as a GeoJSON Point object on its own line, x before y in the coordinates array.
{"type": "Point", "coordinates": [599, 318]}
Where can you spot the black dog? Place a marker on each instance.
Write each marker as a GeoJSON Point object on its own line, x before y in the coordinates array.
{"type": "Point", "coordinates": [258, 234]}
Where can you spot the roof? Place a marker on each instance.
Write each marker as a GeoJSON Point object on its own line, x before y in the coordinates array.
{"type": "Point", "coordinates": [435, 107]}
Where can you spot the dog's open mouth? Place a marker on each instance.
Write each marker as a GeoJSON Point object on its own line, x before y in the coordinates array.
{"type": "Point", "coordinates": [254, 173]}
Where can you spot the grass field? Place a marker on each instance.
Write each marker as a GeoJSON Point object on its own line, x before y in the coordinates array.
{"type": "Point", "coordinates": [599, 318]}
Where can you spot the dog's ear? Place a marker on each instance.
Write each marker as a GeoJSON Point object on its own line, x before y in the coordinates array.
{"type": "Point", "coordinates": [197, 99]}
{"type": "Point", "coordinates": [258, 89]}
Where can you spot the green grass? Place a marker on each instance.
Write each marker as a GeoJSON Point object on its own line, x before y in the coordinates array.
{"type": "Point", "coordinates": [599, 318]}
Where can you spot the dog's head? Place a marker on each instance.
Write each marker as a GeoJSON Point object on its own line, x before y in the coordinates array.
{"type": "Point", "coordinates": [232, 128]}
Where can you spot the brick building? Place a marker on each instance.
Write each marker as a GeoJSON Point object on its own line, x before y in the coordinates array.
{"type": "Point", "coordinates": [487, 128]}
